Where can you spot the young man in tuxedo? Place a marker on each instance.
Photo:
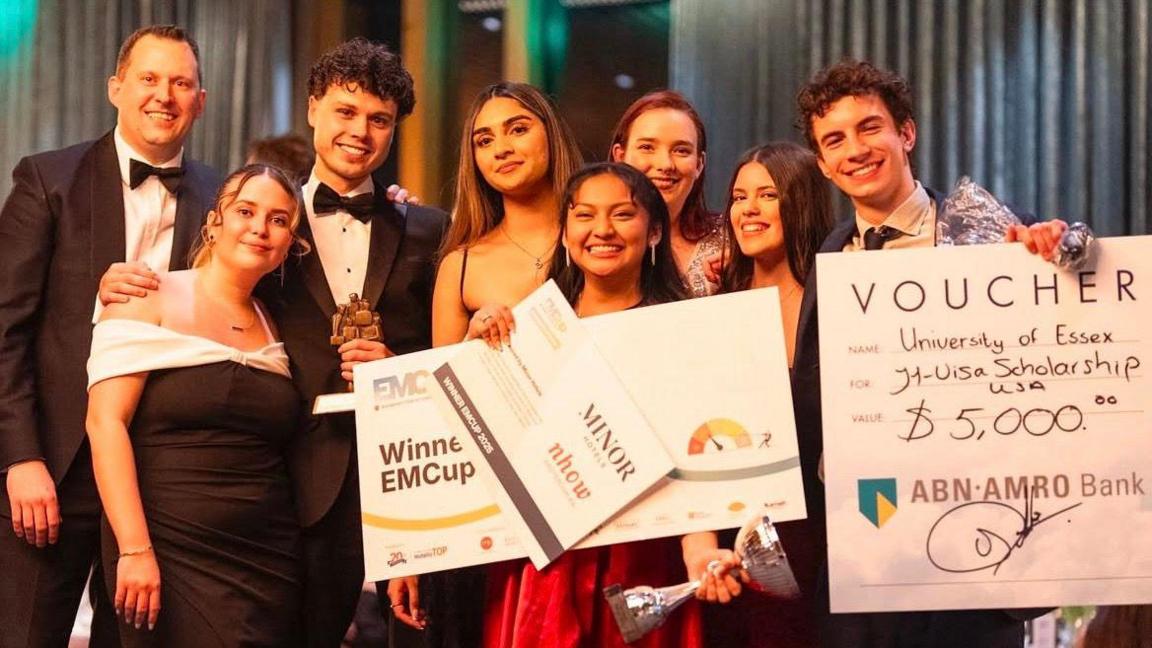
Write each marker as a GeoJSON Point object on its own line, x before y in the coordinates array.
{"type": "Point", "coordinates": [365, 244]}
{"type": "Point", "coordinates": [130, 195]}
{"type": "Point", "coordinates": [859, 121]}
{"type": "Point", "coordinates": [362, 243]}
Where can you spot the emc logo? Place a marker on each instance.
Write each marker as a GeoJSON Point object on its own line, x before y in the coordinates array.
{"type": "Point", "coordinates": [390, 389]}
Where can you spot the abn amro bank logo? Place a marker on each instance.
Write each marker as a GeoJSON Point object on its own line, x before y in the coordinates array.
{"type": "Point", "coordinates": [877, 499]}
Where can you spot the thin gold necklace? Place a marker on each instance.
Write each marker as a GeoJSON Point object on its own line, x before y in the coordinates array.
{"type": "Point", "coordinates": [235, 327]}
{"type": "Point", "coordinates": [537, 260]}
{"type": "Point", "coordinates": [251, 321]}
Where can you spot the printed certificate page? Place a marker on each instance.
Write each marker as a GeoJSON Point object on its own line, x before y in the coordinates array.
{"type": "Point", "coordinates": [987, 437]}
{"type": "Point", "coordinates": [424, 504]}
{"type": "Point", "coordinates": [567, 446]}
{"type": "Point", "coordinates": [711, 375]}
{"type": "Point", "coordinates": [720, 403]}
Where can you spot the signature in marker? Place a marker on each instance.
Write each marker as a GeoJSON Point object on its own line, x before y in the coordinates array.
{"type": "Point", "coordinates": [983, 535]}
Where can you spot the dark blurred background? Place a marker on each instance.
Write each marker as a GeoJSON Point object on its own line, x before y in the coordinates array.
{"type": "Point", "coordinates": [1045, 102]}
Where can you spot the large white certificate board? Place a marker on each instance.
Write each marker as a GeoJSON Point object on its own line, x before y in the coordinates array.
{"type": "Point", "coordinates": [710, 375]}
{"type": "Point", "coordinates": [565, 442]}
{"type": "Point", "coordinates": [423, 505]}
{"type": "Point", "coordinates": [987, 439]}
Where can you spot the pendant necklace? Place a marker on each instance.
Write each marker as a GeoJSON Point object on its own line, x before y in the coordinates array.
{"type": "Point", "coordinates": [241, 329]}
{"type": "Point", "coordinates": [538, 261]}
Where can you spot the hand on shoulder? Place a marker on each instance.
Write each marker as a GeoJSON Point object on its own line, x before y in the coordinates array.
{"type": "Point", "coordinates": [148, 307]}
{"type": "Point", "coordinates": [125, 280]}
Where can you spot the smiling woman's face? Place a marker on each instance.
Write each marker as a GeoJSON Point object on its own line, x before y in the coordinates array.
{"type": "Point", "coordinates": [253, 232]}
{"type": "Point", "coordinates": [510, 147]}
{"type": "Point", "coordinates": [662, 144]}
{"type": "Point", "coordinates": [605, 232]}
{"type": "Point", "coordinates": [755, 212]}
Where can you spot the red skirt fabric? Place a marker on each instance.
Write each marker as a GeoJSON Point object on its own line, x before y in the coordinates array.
{"type": "Point", "coordinates": [563, 605]}
{"type": "Point", "coordinates": [755, 620]}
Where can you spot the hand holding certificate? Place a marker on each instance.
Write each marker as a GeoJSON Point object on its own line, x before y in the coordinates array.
{"type": "Point", "coordinates": [548, 415]}
{"type": "Point", "coordinates": [720, 406]}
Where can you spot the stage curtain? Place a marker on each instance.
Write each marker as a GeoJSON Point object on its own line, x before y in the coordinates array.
{"type": "Point", "coordinates": [1045, 102]}
{"type": "Point", "coordinates": [56, 57]}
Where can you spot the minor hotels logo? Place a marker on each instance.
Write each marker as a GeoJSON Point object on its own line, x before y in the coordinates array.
{"type": "Point", "coordinates": [877, 499]}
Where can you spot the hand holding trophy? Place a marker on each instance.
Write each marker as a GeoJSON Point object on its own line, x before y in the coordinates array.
{"type": "Point", "coordinates": [355, 321]}
{"type": "Point", "coordinates": [352, 321]}
{"type": "Point", "coordinates": [971, 215]}
{"type": "Point", "coordinates": [639, 610]}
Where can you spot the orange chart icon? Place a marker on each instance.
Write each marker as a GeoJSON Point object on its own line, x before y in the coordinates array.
{"type": "Point", "coordinates": [718, 434]}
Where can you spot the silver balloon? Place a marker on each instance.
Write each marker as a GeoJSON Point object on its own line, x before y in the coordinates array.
{"type": "Point", "coordinates": [639, 610]}
{"type": "Point", "coordinates": [971, 215]}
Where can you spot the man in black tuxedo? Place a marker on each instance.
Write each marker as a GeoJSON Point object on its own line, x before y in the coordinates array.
{"type": "Point", "coordinates": [361, 243]}
{"type": "Point", "coordinates": [859, 122]}
{"type": "Point", "coordinates": [130, 195]}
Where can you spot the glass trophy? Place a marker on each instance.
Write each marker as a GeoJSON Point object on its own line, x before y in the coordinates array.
{"type": "Point", "coordinates": [639, 610]}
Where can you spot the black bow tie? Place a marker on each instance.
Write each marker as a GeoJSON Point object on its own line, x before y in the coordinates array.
{"type": "Point", "coordinates": [327, 201]}
{"type": "Point", "coordinates": [139, 171]}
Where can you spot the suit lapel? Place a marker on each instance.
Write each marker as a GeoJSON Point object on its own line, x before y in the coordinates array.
{"type": "Point", "coordinates": [191, 206]}
{"type": "Point", "coordinates": [106, 206]}
{"type": "Point", "coordinates": [806, 331]}
{"type": "Point", "coordinates": [313, 271]}
{"type": "Point", "coordinates": [387, 233]}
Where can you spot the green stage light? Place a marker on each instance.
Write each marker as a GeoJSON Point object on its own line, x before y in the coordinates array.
{"type": "Point", "coordinates": [17, 27]}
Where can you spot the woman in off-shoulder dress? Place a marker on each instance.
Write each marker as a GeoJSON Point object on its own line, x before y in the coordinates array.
{"type": "Point", "coordinates": [191, 405]}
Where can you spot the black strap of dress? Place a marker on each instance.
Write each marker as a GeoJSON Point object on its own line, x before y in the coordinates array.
{"type": "Point", "coordinates": [463, 269]}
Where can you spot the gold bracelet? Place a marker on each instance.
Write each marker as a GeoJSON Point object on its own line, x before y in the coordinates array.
{"type": "Point", "coordinates": [136, 552]}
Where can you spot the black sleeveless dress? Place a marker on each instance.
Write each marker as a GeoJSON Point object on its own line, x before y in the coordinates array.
{"type": "Point", "coordinates": [209, 442]}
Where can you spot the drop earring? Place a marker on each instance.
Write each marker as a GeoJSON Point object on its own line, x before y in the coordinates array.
{"type": "Point", "coordinates": [653, 249]}
{"type": "Point", "coordinates": [567, 258]}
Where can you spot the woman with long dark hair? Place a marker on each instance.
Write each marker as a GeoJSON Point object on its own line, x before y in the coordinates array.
{"type": "Point", "coordinates": [516, 155]}
{"type": "Point", "coordinates": [779, 212]}
{"type": "Point", "coordinates": [613, 224]}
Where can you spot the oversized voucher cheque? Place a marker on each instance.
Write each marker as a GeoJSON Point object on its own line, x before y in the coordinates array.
{"type": "Point", "coordinates": [987, 439]}
{"type": "Point", "coordinates": [566, 445]}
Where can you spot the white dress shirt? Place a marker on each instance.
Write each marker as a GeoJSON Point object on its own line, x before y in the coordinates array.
{"type": "Point", "coordinates": [149, 213]}
{"type": "Point", "coordinates": [915, 218]}
{"type": "Point", "coordinates": [341, 241]}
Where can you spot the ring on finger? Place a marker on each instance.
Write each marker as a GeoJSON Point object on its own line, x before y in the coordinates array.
{"type": "Point", "coordinates": [484, 320]}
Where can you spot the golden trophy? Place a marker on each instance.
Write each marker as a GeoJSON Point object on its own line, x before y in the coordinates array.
{"type": "Point", "coordinates": [352, 321]}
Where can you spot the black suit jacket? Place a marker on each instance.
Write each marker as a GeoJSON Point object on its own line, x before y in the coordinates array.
{"type": "Point", "coordinates": [398, 285]}
{"type": "Point", "coordinates": [60, 229]}
{"type": "Point", "coordinates": [984, 628]}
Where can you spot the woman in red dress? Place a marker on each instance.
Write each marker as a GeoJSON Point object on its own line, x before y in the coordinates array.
{"type": "Point", "coordinates": [613, 226]}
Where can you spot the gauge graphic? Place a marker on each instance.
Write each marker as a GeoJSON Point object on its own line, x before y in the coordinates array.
{"type": "Point", "coordinates": [718, 434]}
